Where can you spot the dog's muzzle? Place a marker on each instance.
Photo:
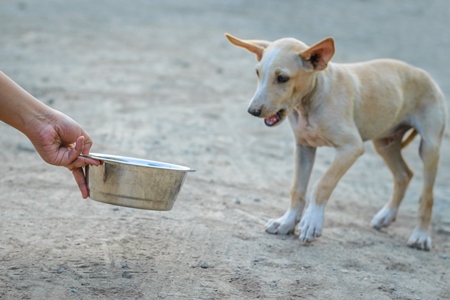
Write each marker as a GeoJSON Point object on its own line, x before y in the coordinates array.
{"type": "Point", "coordinates": [254, 112]}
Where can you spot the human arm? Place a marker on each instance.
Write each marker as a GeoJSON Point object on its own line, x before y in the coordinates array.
{"type": "Point", "coordinates": [58, 139]}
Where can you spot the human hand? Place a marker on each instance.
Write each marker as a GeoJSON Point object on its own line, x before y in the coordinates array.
{"type": "Point", "coordinates": [59, 140]}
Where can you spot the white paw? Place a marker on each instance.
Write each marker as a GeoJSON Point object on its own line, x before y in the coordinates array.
{"type": "Point", "coordinates": [312, 222]}
{"type": "Point", "coordinates": [384, 217]}
{"type": "Point", "coordinates": [285, 224]}
{"type": "Point", "coordinates": [420, 240]}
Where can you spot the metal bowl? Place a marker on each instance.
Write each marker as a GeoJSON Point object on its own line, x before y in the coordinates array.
{"type": "Point", "coordinates": [134, 182]}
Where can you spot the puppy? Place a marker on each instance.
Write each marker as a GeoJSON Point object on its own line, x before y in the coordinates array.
{"type": "Point", "coordinates": [342, 106]}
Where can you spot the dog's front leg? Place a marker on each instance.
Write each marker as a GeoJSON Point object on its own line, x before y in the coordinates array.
{"type": "Point", "coordinates": [304, 161]}
{"type": "Point", "coordinates": [311, 224]}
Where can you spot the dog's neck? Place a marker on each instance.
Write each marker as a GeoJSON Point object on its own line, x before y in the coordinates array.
{"type": "Point", "coordinates": [305, 102]}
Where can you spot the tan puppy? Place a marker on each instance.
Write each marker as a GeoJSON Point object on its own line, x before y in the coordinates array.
{"type": "Point", "coordinates": [342, 106]}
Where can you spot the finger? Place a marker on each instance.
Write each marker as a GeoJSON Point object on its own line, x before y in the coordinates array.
{"type": "Point", "coordinates": [70, 154]}
{"type": "Point", "coordinates": [78, 174]}
{"type": "Point", "coordinates": [81, 162]}
{"type": "Point", "coordinates": [77, 161]}
{"type": "Point", "coordinates": [90, 161]}
{"type": "Point", "coordinates": [87, 144]}
{"type": "Point", "coordinates": [75, 152]}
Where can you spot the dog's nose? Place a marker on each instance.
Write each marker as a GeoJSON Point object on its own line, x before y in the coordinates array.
{"type": "Point", "coordinates": [255, 112]}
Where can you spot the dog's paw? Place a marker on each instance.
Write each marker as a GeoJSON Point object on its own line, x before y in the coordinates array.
{"type": "Point", "coordinates": [384, 217]}
{"type": "Point", "coordinates": [420, 240]}
{"type": "Point", "coordinates": [312, 223]}
{"type": "Point", "coordinates": [285, 224]}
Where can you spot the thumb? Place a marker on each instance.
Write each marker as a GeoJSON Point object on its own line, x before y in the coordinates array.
{"type": "Point", "coordinates": [75, 152]}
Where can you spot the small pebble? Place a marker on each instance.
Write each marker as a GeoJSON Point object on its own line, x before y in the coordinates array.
{"type": "Point", "coordinates": [204, 265]}
{"type": "Point", "coordinates": [237, 201]}
{"type": "Point", "coordinates": [257, 200]}
{"type": "Point", "coordinates": [73, 290]}
{"type": "Point", "coordinates": [444, 256]}
{"type": "Point", "coordinates": [126, 274]}
{"type": "Point", "coordinates": [60, 270]}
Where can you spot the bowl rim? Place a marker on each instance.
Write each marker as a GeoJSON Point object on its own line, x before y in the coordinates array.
{"type": "Point", "coordinates": [139, 162]}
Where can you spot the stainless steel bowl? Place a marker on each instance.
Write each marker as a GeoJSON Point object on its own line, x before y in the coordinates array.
{"type": "Point", "coordinates": [134, 182]}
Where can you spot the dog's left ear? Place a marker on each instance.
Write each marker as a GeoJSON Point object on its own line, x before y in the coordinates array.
{"type": "Point", "coordinates": [318, 55]}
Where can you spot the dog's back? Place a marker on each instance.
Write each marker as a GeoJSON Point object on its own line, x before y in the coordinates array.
{"type": "Point", "coordinates": [407, 88]}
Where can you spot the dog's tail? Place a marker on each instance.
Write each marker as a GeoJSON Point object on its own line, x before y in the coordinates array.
{"type": "Point", "coordinates": [409, 138]}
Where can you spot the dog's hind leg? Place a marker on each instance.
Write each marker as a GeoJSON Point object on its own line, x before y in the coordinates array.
{"type": "Point", "coordinates": [429, 152]}
{"type": "Point", "coordinates": [304, 161]}
{"type": "Point", "coordinates": [430, 124]}
{"type": "Point", "coordinates": [390, 150]}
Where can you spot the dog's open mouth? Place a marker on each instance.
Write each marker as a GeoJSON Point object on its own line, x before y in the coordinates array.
{"type": "Point", "coordinates": [275, 119]}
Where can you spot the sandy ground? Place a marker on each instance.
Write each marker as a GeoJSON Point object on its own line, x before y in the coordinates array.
{"type": "Point", "coordinates": [158, 80]}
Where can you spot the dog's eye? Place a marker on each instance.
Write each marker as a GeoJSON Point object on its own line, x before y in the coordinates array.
{"type": "Point", "coordinates": [282, 78]}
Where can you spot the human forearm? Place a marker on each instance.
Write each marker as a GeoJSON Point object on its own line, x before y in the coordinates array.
{"type": "Point", "coordinates": [18, 108]}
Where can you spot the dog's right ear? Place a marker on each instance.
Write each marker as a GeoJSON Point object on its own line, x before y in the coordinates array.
{"type": "Point", "coordinates": [255, 46]}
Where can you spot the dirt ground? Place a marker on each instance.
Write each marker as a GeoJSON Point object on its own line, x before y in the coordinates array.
{"type": "Point", "coordinates": [158, 80]}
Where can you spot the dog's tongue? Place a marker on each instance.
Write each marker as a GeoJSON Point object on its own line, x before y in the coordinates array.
{"type": "Point", "coordinates": [271, 120]}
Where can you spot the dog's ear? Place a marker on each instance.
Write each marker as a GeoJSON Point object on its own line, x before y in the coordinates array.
{"type": "Point", "coordinates": [255, 46]}
{"type": "Point", "coordinates": [318, 55]}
